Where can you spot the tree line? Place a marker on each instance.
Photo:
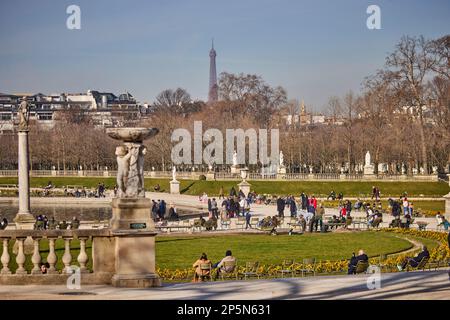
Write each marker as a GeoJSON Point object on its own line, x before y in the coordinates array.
{"type": "Point", "coordinates": [401, 115]}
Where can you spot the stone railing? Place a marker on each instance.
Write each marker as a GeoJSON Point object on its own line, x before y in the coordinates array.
{"type": "Point", "coordinates": [188, 175]}
{"type": "Point", "coordinates": [41, 245]}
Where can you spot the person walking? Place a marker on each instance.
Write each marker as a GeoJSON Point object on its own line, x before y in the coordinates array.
{"type": "Point", "coordinates": [319, 217]}
{"type": "Point", "coordinates": [281, 203]}
{"type": "Point", "coordinates": [214, 208]}
{"type": "Point", "coordinates": [405, 206]}
{"type": "Point", "coordinates": [293, 207]}
{"type": "Point", "coordinates": [247, 220]}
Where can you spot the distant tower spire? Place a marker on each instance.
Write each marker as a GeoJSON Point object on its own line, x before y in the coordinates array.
{"type": "Point", "coordinates": [213, 94]}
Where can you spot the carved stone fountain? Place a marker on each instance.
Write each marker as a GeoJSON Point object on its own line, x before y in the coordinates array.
{"type": "Point", "coordinates": [131, 221]}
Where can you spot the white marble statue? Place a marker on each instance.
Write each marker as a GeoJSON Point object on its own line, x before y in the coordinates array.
{"type": "Point", "coordinates": [422, 170]}
{"type": "Point", "coordinates": [23, 113]}
{"type": "Point", "coordinates": [281, 159]}
{"type": "Point", "coordinates": [367, 161]}
{"type": "Point", "coordinates": [235, 163]}
{"type": "Point", "coordinates": [123, 167]}
{"type": "Point", "coordinates": [174, 173]}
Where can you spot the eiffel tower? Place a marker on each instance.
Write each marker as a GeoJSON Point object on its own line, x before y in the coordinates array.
{"type": "Point", "coordinates": [213, 94]}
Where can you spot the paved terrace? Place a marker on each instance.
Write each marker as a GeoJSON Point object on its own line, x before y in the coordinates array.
{"type": "Point", "coordinates": [419, 285]}
{"type": "Point", "coordinates": [257, 210]}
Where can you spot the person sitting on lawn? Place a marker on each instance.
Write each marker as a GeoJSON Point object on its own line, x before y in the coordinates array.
{"type": "Point", "coordinates": [354, 261]}
{"type": "Point", "coordinates": [221, 267]}
{"type": "Point", "coordinates": [414, 262]}
{"type": "Point", "coordinates": [199, 273]}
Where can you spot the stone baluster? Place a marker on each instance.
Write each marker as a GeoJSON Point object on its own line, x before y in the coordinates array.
{"type": "Point", "coordinates": [5, 257]}
{"type": "Point", "coordinates": [36, 257]}
{"type": "Point", "coordinates": [52, 258]}
{"type": "Point", "coordinates": [20, 258]}
{"type": "Point", "coordinates": [83, 257]}
{"type": "Point", "coordinates": [67, 257]}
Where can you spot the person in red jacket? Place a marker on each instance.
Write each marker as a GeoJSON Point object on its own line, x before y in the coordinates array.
{"type": "Point", "coordinates": [343, 212]}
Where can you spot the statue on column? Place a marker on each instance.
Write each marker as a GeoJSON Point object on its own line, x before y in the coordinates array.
{"type": "Point", "coordinates": [281, 159]}
{"type": "Point", "coordinates": [23, 114]}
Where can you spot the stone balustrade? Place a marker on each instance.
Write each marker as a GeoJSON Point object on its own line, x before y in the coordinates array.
{"type": "Point", "coordinates": [232, 176]}
{"type": "Point", "coordinates": [21, 246]}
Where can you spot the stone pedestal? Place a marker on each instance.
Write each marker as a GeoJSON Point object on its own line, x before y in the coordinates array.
{"type": "Point", "coordinates": [342, 176]}
{"type": "Point", "coordinates": [174, 187]}
{"type": "Point", "coordinates": [105, 173]}
{"type": "Point", "coordinates": [134, 247]}
{"type": "Point", "coordinates": [311, 176]}
{"type": "Point", "coordinates": [369, 170]}
{"type": "Point", "coordinates": [152, 174]}
{"type": "Point", "coordinates": [245, 187]}
{"type": "Point", "coordinates": [210, 176]}
{"type": "Point", "coordinates": [447, 206]}
{"type": "Point", "coordinates": [80, 173]}
{"type": "Point", "coordinates": [235, 170]}
{"type": "Point", "coordinates": [282, 170]}
{"type": "Point", "coordinates": [54, 173]}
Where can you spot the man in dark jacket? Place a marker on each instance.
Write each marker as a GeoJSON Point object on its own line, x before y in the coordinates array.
{"type": "Point", "coordinates": [280, 207]}
{"type": "Point", "coordinates": [304, 201]}
{"type": "Point", "coordinates": [354, 261]}
{"type": "Point", "coordinates": [414, 262]}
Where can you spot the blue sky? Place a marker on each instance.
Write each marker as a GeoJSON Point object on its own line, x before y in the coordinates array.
{"type": "Point", "coordinates": [314, 49]}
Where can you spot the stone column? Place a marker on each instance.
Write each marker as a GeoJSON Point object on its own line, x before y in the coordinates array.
{"type": "Point", "coordinates": [447, 206]}
{"type": "Point", "coordinates": [24, 219]}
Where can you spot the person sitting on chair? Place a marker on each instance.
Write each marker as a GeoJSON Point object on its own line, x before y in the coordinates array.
{"type": "Point", "coordinates": [354, 261]}
{"type": "Point", "coordinates": [199, 273]}
{"type": "Point", "coordinates": [221, 267]}
{"type": "Point", "coordinates": [332, 195]}
{"type": "Point", "coordinates": [414, 262]}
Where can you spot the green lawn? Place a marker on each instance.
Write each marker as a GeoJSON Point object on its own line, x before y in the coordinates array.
{"type": "Point", "coordinates": [174, 252]}
{"type": "Point", "coordinates": [179, 252]}
{"type": "Point", "coordinates": [196, 187]}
